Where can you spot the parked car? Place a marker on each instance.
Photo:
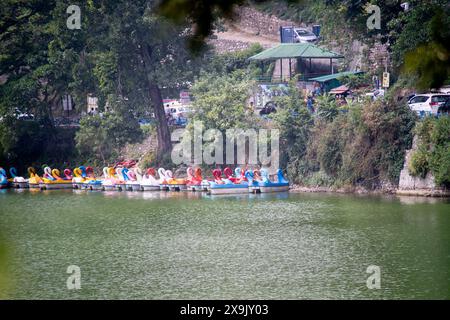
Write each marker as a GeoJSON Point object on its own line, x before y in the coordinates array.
{"type": "Point", "coordinates": [178, 111]}
{"type": "Point", "coordinates": [304, 36]}
{"type": "Point", "coordinates": [23, 115]}
{"type": "Point", "coordinates": [426, 104]}
{"type": "Point", "coordinates": [444, 109]}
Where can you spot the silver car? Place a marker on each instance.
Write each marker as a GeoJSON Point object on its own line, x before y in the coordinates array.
{"type": "Point", "coordinates": [304, 36]}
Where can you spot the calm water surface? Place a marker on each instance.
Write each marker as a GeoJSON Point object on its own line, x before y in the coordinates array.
{"type": "Point", "coordinates": [193, 246]}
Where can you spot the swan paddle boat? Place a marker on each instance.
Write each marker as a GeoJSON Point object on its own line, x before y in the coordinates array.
{"type": "Point", "coordinates": [18, 182]}
{"type": "Point", "coordinates": [194, 180]}
{"type": "Point", "coordinates": [122, 179]}
{"type": "Point", "coordinates": [79, 176]}
{"type": "Point", "coordinates": [259, 182]}
{"type": "Point", "coordinates": [110, 179]}
{"type": "Point", "coordinates": [4, 183]}
{"type": "Point", "coordinates": [91, 182]}
{"type": "Point", "coordinates": [35, 180]}
{"type": "Point", "coordinates": [149, 181]}
{"type": "Point", "coordinates": [169, 183]}
{"type": "Point", "coordinates": [132, 182]}
{"type": "Point", "coordinates": [134, 179]}
{"type": "Point", "coordinates": [225, 185]}
{"type": "Point", "coordinates": [52, 180]}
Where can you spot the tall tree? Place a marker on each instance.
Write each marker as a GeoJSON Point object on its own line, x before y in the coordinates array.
{"type": "Point", "coordinates": [24, 63]}
{"type": "Point", "coordinates": [149, 54]}
{"type": "Point", "coordinates": [35, 72]}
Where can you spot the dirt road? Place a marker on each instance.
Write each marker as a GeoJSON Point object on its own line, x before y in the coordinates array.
{"type": "Point", "coordinates": [233, 34]}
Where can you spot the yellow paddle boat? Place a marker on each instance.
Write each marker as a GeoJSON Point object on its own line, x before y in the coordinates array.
{"type": "Point", "coordinates": [34, 181]}
{"type": "Point", "coordinates": [52, 180]}
{"type": "Point", "coordinates": [78, 179]}
{"type": "Point", "coordinates": [169, 183]}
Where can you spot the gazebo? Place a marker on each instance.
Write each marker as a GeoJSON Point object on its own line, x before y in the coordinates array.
{"type": "Point", "coordinates": [304, 53]}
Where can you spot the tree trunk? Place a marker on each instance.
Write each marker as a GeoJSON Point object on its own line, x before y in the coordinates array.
{"type": "Point", "coordinates": [164, 143]}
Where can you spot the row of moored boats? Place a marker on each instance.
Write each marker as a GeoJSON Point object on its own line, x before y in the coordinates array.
{"type": "Point", "coordinates": [135, 179]}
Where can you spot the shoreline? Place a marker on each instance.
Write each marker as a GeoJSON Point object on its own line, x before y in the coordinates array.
{"type": "Point", "coordinates": [427, 193]}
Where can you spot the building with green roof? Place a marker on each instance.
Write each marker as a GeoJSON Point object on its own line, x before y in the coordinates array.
{"type": "Point", "coordinates": [296, 50]}
{"type": "Point", "coordinates": [303, 53]}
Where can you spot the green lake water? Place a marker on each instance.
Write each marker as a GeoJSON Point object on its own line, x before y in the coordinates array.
{"type": "Point", "coordinates": [192, 246]}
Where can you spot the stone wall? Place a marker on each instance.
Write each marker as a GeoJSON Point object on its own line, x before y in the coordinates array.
{"type": "Point", "coordinates": [224, 45]}
{"type": "Point", "coordinates": [258, 23]}
{"type": "Point", "coordinates": [410, 185]}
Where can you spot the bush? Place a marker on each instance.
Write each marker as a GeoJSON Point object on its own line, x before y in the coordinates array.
{"type": "Point", "coordinates": [440, 165]}
{"type": "Point", "coordinates": [433, 152]}
{"type": "Point", "coordinates": [148, 130]}
{"type": "Point", "coordinates": [294, 122]}
{"type": "Point", "coordinates": [326, 107]}
{"type": "Point", "coordinates": [150, 159]}
{"type": "Point", "coordinates": [364, 146]}
{"type": "Point", "coordinates": [418, 165]}
{"type": "Point", "coordinates": [101, 137]}
{"type": "Point", "coordinates": [330, 146]}
{"type": "Point", "coordinates": [356, 80]}
{"type": "Point", "coordinates": [23, 143]}
{"type": "Point", "coordinates": [220, 102]}
{"type": "Point", "coordinates": [319, 179]}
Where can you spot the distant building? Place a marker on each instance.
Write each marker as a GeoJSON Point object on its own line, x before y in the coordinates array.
{"type": "Point", "coordinates": [67, 102]}
{"type": "Point", "coordinates": [168, 103]}
{"type": "Point", "coordinates": [92, 104]}
{"type": "Point", "coordinates": [185, 97]}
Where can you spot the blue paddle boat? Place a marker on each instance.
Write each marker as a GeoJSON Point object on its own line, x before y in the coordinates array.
{"type": "Point", "coordinates": [262, 184]}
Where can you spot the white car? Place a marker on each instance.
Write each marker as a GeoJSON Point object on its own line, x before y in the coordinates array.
{"type": "Point", "coordinates": [304, 36]}
{"type": "Point", "coordinates": [23, 115]}
{"type": "Point", "coordinates": [426, 104]}
{"type": "Point", "coordinates": [178, 111]}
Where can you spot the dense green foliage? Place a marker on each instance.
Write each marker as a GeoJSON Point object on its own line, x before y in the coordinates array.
{"type": "Point", "coordinates": [295, 123]}
{"type": "Point", "coordinates": [356, 81]}
{"type": "Point", "coordinates": [35, 76]}
{"type": "Point", "coordinates": [102, 136]}
{"type": "Point", "coordinates": [220, 101]}
{"type": "Point", "coordinates": [362, 145]}
{"type": "Point", "coordinates": [24, 143]}
{"type": "Point", "coordinates": [124, 54]}
{"type": "Point", "coordinates": [433, 152]}
{"type": "Point", "coordinates": [221, 91]}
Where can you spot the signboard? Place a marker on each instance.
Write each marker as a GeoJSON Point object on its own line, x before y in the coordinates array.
{"type": "Point", "coordinates": [386, 79]}
{"type": "Point", "coordinates": [185, 97]}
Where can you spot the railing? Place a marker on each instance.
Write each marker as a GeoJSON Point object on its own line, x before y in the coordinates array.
{"type": "Point", "coordinates": [286, 79]}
